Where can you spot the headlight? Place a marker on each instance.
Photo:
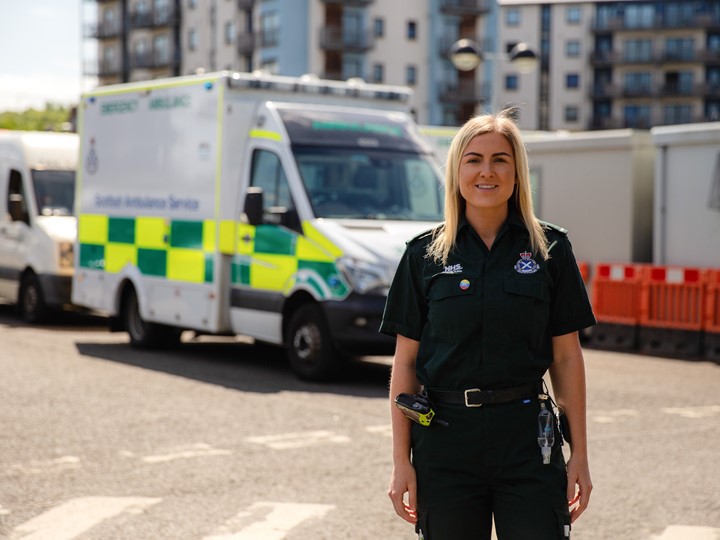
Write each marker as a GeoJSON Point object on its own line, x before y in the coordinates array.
{"type": "Point", "coordinates": [363, 277]}
{"type": "Point", "coordinates": [65, 250]}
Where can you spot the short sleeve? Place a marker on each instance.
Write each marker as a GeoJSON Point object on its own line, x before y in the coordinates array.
{"type": "Point", "coordinates": [570, 306]}
{"type": "Point", "coordinates": [406, 307]}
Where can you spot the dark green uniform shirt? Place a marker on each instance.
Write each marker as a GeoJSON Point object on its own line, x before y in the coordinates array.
{"type": "Point", "coordinates": [487, 317]}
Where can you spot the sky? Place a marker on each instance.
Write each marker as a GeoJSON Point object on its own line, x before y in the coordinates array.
{"type": "Point", "coordinates": [40, 52]}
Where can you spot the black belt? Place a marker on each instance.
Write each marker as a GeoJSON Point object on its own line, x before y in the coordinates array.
{"type": "Point", "coordinates": [474, 397]}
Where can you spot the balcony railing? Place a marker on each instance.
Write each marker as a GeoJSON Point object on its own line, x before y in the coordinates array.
{"type": "Point", "coordinates": [246, 43]}
{"type": "Point", "coordinates": [463, 92]}
{"type": "Point", "coordinates": [466, 7]}
{"type": "Point", "coordinates": [104, 30]}
{"type": "Point", "coordinates": [338, 39]}
{"type": "Point", "coordinates": [153, 60]}
{"type": "Point", "coordinates": [659, 22]}
{"type": "Point", "coordinates": [357, 3]}
{"type": "Point", "coordinates": [245, 4]}
{"type": "Point", "coordinates": [154, 18]}
{"type": "Point", "coordinates": [107, 68]}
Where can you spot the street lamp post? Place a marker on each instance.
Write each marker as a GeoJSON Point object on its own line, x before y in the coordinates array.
{"type": "Point", "coordinates": [465, 55]}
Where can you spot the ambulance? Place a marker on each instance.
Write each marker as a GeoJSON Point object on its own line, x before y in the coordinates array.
{"type": "Point", "coordinates": [250, 204]}
{"type": "Point", "coordinates": [37, 220]}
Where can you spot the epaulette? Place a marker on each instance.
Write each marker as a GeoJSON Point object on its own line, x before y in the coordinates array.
{"type": "Point", "coordinates": [553, 227]}
{"type": "Point", "coordinates": [421, 236]}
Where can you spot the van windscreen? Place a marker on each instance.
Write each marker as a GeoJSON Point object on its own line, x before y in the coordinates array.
{"type": "Point", "coordinates": [54, 192]}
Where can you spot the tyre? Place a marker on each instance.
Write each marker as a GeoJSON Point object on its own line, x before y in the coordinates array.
{"type": "Point", "coordinates": [310, 350]}
{"type": "Point", "coordinates": [31, 301]}
{"type": "Point", "coordinates": [144, 334]}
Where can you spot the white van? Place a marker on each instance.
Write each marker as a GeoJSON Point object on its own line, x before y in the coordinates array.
{"type": "Point", "coordinates": [272, 207]}
{"type": "Point", "coordinates": [37, 221]}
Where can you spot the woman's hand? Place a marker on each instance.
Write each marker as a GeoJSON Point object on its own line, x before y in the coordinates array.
{"type": "Point", "coordinates": [578, 473]}
{"type": "Point", "coordinates": [402, 481]}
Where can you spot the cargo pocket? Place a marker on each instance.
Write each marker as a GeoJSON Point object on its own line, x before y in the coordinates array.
{"type": "Point", "coordinates": [563, 522]}
{"type": "Point", "coordinates": [454, 306]}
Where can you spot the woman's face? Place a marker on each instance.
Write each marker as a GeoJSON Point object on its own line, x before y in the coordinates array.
{"type": "Point", "coordinates": [487, 172]}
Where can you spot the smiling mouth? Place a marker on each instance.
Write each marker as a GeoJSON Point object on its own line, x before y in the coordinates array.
{"type": "Point", "coordinates": [485, 187]}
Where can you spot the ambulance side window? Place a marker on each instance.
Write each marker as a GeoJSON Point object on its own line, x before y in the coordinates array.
{"type": "Point", "coordinates": [16, 200]}
{"type": "Point", "coordinates": [268, 174]}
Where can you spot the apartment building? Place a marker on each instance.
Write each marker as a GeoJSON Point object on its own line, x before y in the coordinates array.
{"type": "Point", "coordinates": [602, 64]}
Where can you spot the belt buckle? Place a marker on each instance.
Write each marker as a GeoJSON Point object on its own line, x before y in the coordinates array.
{"type": "Point", "coordinates": [467, 403]}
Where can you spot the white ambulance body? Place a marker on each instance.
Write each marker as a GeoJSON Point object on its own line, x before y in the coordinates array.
{"type": "Point", "coordinates": [265, 206]}
{"type": "Point", "coordinates": [37, 222]}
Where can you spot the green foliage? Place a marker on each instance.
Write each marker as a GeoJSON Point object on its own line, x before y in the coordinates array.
{"type": "Point", "coordinates": [53, 118]}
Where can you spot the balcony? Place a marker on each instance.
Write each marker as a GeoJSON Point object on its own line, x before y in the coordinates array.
{"type": "Point", "coordinates": [659, 22]}
{"type": "Point", "coordinates": [680, 90]}
{"type": "Point", "coordinates": [245, 5]}
{"type": "Point", "coordinates": [246, 43]}
{"type": "Point", "coordinates": [463, 93]}
{"type": "Point", "coordinates": [604, 91]}
{"type": "Point", "coordinates": [709, 90]}
{"type": "Point", "coordinates": [355, 3]}
{"type": "Point", "coordinates": [156, 18]}
{"type": "Point", "coordinates": [337, 39]}
{"type": "Point", "coordinates": [107, 68]}
{"type": "Point", "coordinates": [474, 8]}
{"type": "Point", "coordinates": [104, 30]}
{"type": "Point", "coordinates": [153, 60]}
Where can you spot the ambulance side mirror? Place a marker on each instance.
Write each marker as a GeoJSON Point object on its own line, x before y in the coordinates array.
{"type": "Point", "coordinates": [253, 207]}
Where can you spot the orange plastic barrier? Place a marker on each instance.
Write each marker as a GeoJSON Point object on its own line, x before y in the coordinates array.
{"type": "Point", "coordinates": [616, 293]}
{"type": "Point", "coordinates": [712, 301]}
{"type": "Point", "coordinates": [584, 270]}
{"type": "Point", "coordinates": [672, 297]}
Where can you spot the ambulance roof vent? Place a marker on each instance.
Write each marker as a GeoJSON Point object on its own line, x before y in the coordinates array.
{"type": "Point", "coordinates": [311, 84]}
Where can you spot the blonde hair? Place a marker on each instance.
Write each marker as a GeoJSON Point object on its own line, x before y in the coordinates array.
{"type": "Point", "coordinates": [444, 236]}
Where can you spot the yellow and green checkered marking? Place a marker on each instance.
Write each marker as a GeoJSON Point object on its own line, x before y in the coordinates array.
{"type": "Point", "coordinates": [176, 249]}
{"type": "Point", "coordinates": [266, 257]}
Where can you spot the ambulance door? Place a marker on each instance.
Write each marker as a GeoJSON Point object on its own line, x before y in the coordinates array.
{"type": "Point", "coordinates": [14, 231]}
{"type": "Point", "coordinates": [266, 265]}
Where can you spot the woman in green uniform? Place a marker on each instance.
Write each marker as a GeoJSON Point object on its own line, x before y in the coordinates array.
{"type": "Point", "coordinates": [482, 306]}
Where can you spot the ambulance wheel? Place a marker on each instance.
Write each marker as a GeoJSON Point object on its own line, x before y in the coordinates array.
{"type": "Point", "coordinates": [144, 334]}
{"type": "Point", "coordinates": [310, 349]}
{"type": "Point", "coordinates": [31, 301]}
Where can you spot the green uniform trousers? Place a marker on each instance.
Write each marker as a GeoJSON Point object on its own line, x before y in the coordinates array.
{"type": "Point", "coordinates": [487, 464]}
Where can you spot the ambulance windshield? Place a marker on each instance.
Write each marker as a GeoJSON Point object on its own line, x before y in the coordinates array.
{"type": "Point", "coordinates": [370, 165]}
{"type": "Point", "coordinates": [370, 184]}
{"type": "Point", "coordinates": [54, 192]}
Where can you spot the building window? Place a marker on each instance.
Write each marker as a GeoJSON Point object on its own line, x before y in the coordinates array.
{"type": "Point", "coordinates": [378, 73]}
{"type": "Point", "coordinates": [270, 66]}
{"type": "Point", "coordinates": [512, 17]}
{"type": "Point", "coordinates": [572, 80]}
{"type": "Point", "coordinates": [161, 50]}
{"type": "Point", "coordinates": [678, 114]}
{"type": "Point", "coordinates": [637, 116]}
{"type": "Point", "coordinates": [573, 15]}
{"type": "Point", "coordinates": [637, 84]}
{"type": "Point", "coordinates": [412, 30]}
{"type": "Point", "coordinates": [512, 82]}
{"type": "Point", "coordinates": [192, 39]}
{"type": "Point", "coordinates": [679, 49]}
{"type": "Point", "coordinates": [229, 32]}
{"type": "Point", "coordinates": [638, 50]}
{"type": "Point", "coordinates": [572, 113]}
{"type": "Point", "coordinates": [379, 27]}
{"type": "Point", "coordinates": [410, 75]}
{"type": "Point", "coordinates": [270, 29]}
{"type": "Point", "coordinates": [572, 48]}
{"type": "Point", "coordinates": [352, 67]}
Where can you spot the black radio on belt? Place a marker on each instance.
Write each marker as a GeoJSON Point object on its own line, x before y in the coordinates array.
{"type": "Point", "coordinates": [418, 408]}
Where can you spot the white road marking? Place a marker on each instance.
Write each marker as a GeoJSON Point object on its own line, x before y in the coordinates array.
{"type": "Point", "coordinates": [77, 516]}
{"type": "Point", "coordinates": [384, 429]}
{"type": "Point", "coordinates": [52, 465]}
{"type": "Point", "coordinates": [694, 412]}
{"type": "Point", "coordinates": [269, 521]}
{"type": "Point", "coordinates": [608, 417]}
{"type": "Point", "coordinates": [302, 439]}
{"type": "Point", "coordinates": [186, 452]}
{"type": "Point", "coordinates": [686, 532]}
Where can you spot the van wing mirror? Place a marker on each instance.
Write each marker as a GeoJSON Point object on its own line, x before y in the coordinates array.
{"type": "Point", "coordinates": [16, 207]}
{"type": "Point", "coordinates": [253, 206]}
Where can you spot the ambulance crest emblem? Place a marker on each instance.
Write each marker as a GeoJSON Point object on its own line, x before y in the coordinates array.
{"type": "Point", "coordinates": [526, 265]}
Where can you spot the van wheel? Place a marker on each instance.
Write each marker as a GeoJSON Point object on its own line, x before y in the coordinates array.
{"type": "Point", "coordinates": [31, 302]}
{"type": "Point", "coordinates": [143, 334]}
{"type": "Point", "coordinates": [310, 349]}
